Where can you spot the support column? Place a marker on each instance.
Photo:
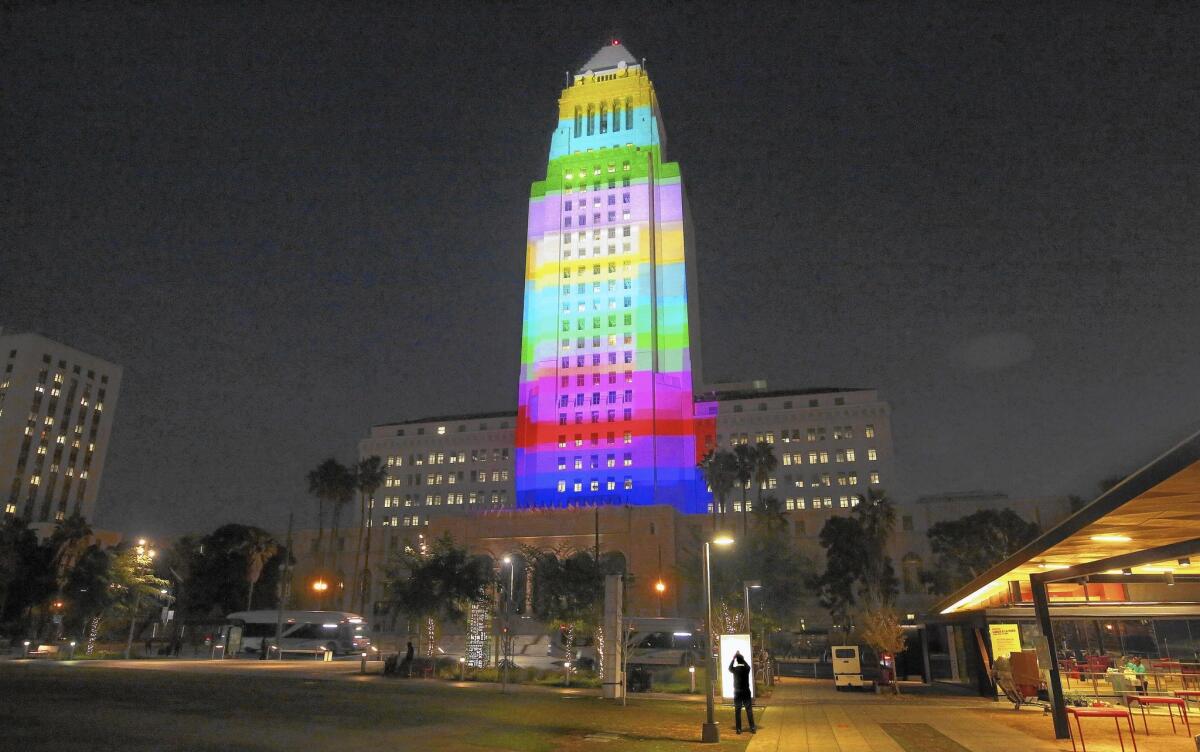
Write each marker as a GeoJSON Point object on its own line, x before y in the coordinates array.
{"type": "Point", "coordinates": [614, 632]}
{"type": "Point", "coordinates": [1041, 611]}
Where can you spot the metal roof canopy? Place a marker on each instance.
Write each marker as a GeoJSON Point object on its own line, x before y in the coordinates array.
{"type": "Point", "coordinates": [1041, 605]}
{"type": "Point", "coordinates": [1155, 507]}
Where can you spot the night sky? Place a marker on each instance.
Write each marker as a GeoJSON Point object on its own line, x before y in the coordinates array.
{"type": "Point", "coordinates": [290, 222]}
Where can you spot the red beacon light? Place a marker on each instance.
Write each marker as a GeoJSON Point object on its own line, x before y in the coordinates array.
{"type": "Point", "coordinates": [616, 42]}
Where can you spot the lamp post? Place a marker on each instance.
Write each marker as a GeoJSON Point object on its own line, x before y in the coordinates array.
{"type": "Point", "coordinates": [709, 732]}
{"type": "Point", "coordinates": [747, 586]}
{"type": "Point", "coordinates": [660, 587]}
{"type": "Point", "coordinates": [504, 642]}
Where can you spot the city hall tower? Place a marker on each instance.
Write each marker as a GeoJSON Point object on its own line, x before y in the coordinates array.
{"type": "Point", "coordinates": [610, 339]}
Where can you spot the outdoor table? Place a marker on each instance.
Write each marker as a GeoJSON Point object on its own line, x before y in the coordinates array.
{"type": "Point", "coordinates": [1114, 713]}
{"type": "Point", "coordinates": [1170, 702]}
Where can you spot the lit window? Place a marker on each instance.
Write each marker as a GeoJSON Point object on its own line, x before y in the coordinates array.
{"type": "Point", "coordinates": [874, 479]}
{"type": "Point", "coordinates": [869, 431]}
{"type": "Point", "coordinates": [562, 486]}
{"type": "Point", "coordinates": [871, 455]}
{"type": "Point", "coordinates": [628, 437]}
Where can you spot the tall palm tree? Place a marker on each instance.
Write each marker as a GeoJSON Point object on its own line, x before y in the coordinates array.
{"type": "Point", "coordinates": [765, 463]}
{"type": "Point", "coordinates": [369, 476]}
{"type": "Point", "coordinates": [260, 548]}
{"type": "Point", "coordinates": [719, 469]}
{"type": "Point", "coordinates": [328, 482]}
{"type": "Point", "coordinates": [744, 457]}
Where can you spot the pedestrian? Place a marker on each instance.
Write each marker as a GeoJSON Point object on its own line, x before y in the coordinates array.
{"type": "Point", "coordinates": [742, 696]}
{"type": "Point", "coordinates": [406, 664]}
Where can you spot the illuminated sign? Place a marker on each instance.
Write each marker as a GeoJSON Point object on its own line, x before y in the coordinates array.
{"type": "Point", "coordinates": [731, 645]}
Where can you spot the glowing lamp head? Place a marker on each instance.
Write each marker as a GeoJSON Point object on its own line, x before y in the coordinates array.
{"type": "Point", "coordinates": [508, 560]}
{"type": "Point", "coordinates": [722, 539]}
{"type": "Point", "coordinates": [320, 586]}
{"type": "Point", "coordinates": [1111, 538]}
{"type": "Point", "coordinates": [616, 42]}
{"type": "Point", "coordinates": [660, 586]}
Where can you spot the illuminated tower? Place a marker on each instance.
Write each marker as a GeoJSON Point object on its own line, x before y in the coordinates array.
{"type": "Point", "coordinates": [605, 412]}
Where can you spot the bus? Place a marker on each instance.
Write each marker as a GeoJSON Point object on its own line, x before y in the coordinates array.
{"type": "Point", "coordinates": [339, 632]}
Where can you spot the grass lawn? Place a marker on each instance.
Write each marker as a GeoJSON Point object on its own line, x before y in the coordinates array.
{"type": "Point", "coordinates": [64, 708]}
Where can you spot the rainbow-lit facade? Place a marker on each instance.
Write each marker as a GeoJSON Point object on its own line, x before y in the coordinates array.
{"type": "Point", "coordinates": [605, 412]}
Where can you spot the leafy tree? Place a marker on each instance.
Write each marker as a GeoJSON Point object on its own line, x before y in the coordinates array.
{"type": "Point", "coordinates": [965, 548]}
{"type": "Point", "coordinates": [842, 539]}
{"type": "Point", "coordinates": [880, 629]}
{"type": "Point", "coordinates": [568, 585]}
{"type": "Point", "coordinates": [220, 567]}
{"type": "Point", "coordinates": [720, 470]}
{"type": "Point", "coordinates": [857, 566]}
{"type": "Point", "coordinates": [26, 574]}
{"type": "Point", "coordinates": [767, 554]}
{"type": "Point", "coordinates": [89, 590]}
{"type": "Point", "coordinates": [68, 541]}
{"type": "Point", "coordinates": [369, 476]}
{"type": "Point", "coordinates": [440, 583]}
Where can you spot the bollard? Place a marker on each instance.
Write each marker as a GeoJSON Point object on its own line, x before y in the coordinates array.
{"type": "Point", "coordinates": [25, 650]}
{"type": "Point", "coordinates": [462, 669]}
{"type": "Point", "coordinates": [71, 652]}
{"type": "Point", "coordinates": [362, 666]}
{"type": "Point", "coordinates": [692, 678]}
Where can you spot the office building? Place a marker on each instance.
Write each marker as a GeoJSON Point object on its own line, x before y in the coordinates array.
{"type": "Point", "coordinates": [56, 416]}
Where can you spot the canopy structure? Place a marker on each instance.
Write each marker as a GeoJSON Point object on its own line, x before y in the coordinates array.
{"type": "Point", "coordinates": [1125, 552]}
{"type": "Point", "coordinates": [1156, 506]}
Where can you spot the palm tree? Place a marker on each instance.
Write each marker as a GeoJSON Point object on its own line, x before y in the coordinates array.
{"type": "Point", "coordinates": [718, 467]}
{"type": "Point", "coordinates": [260, 548]}
{"type": "Point", "coordinates": [327, 482]}
{"type": "Point", "coordinates": [765, 463]}
{"type": "Point", "coordinates": [369, 476]}
{"type": "Point", "coordinates": [744, 458]}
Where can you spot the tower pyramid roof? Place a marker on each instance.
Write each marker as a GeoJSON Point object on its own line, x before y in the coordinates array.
{"type": "Point", "coordinates": [608, 57]}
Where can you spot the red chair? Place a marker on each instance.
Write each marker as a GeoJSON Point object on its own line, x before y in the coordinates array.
{"type": "Point", "coordinates": [1114, 713]}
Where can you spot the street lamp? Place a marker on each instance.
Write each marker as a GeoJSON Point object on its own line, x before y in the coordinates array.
{"type": "Point", "coordinates": [660, 587]}
{"type": "Point", "coordinates": [747, 586]}
{"type": "Point", "coordinates": [506, 641]}
{"type": "Point", "coordinates": [319, 587]}
{"type": "Point", "coordinates": [709, 732]}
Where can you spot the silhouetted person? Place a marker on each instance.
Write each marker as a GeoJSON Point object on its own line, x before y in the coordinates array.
{"type": "Point", "coordinates": [406, 664]}
{"type": "Point", "coordinates": [742, 696]}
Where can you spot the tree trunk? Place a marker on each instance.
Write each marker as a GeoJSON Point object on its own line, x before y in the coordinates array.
{"type": "Point", "coordinates": [745, 517]}
{"type": "Point", "coordinates": [320, 532]}
{"type": "Point", "coordinates": [250, 597]}
{"type": "Point", "coordinates": [356, 576]}
{"type": "Point", "coordinates": [367, 556]}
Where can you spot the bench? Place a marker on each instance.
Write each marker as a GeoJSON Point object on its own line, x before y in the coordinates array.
{"type": "Point", "coordinates": [1115, 713]}
{"type": "Point", "coordinates": [1170, 702]}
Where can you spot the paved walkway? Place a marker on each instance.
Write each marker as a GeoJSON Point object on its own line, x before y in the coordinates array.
{"type": "Point", "coordinates": [808, 716]}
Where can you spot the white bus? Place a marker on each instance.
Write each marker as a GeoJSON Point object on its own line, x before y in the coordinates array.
{"type": "Point", "coordinates": [302, 631]}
